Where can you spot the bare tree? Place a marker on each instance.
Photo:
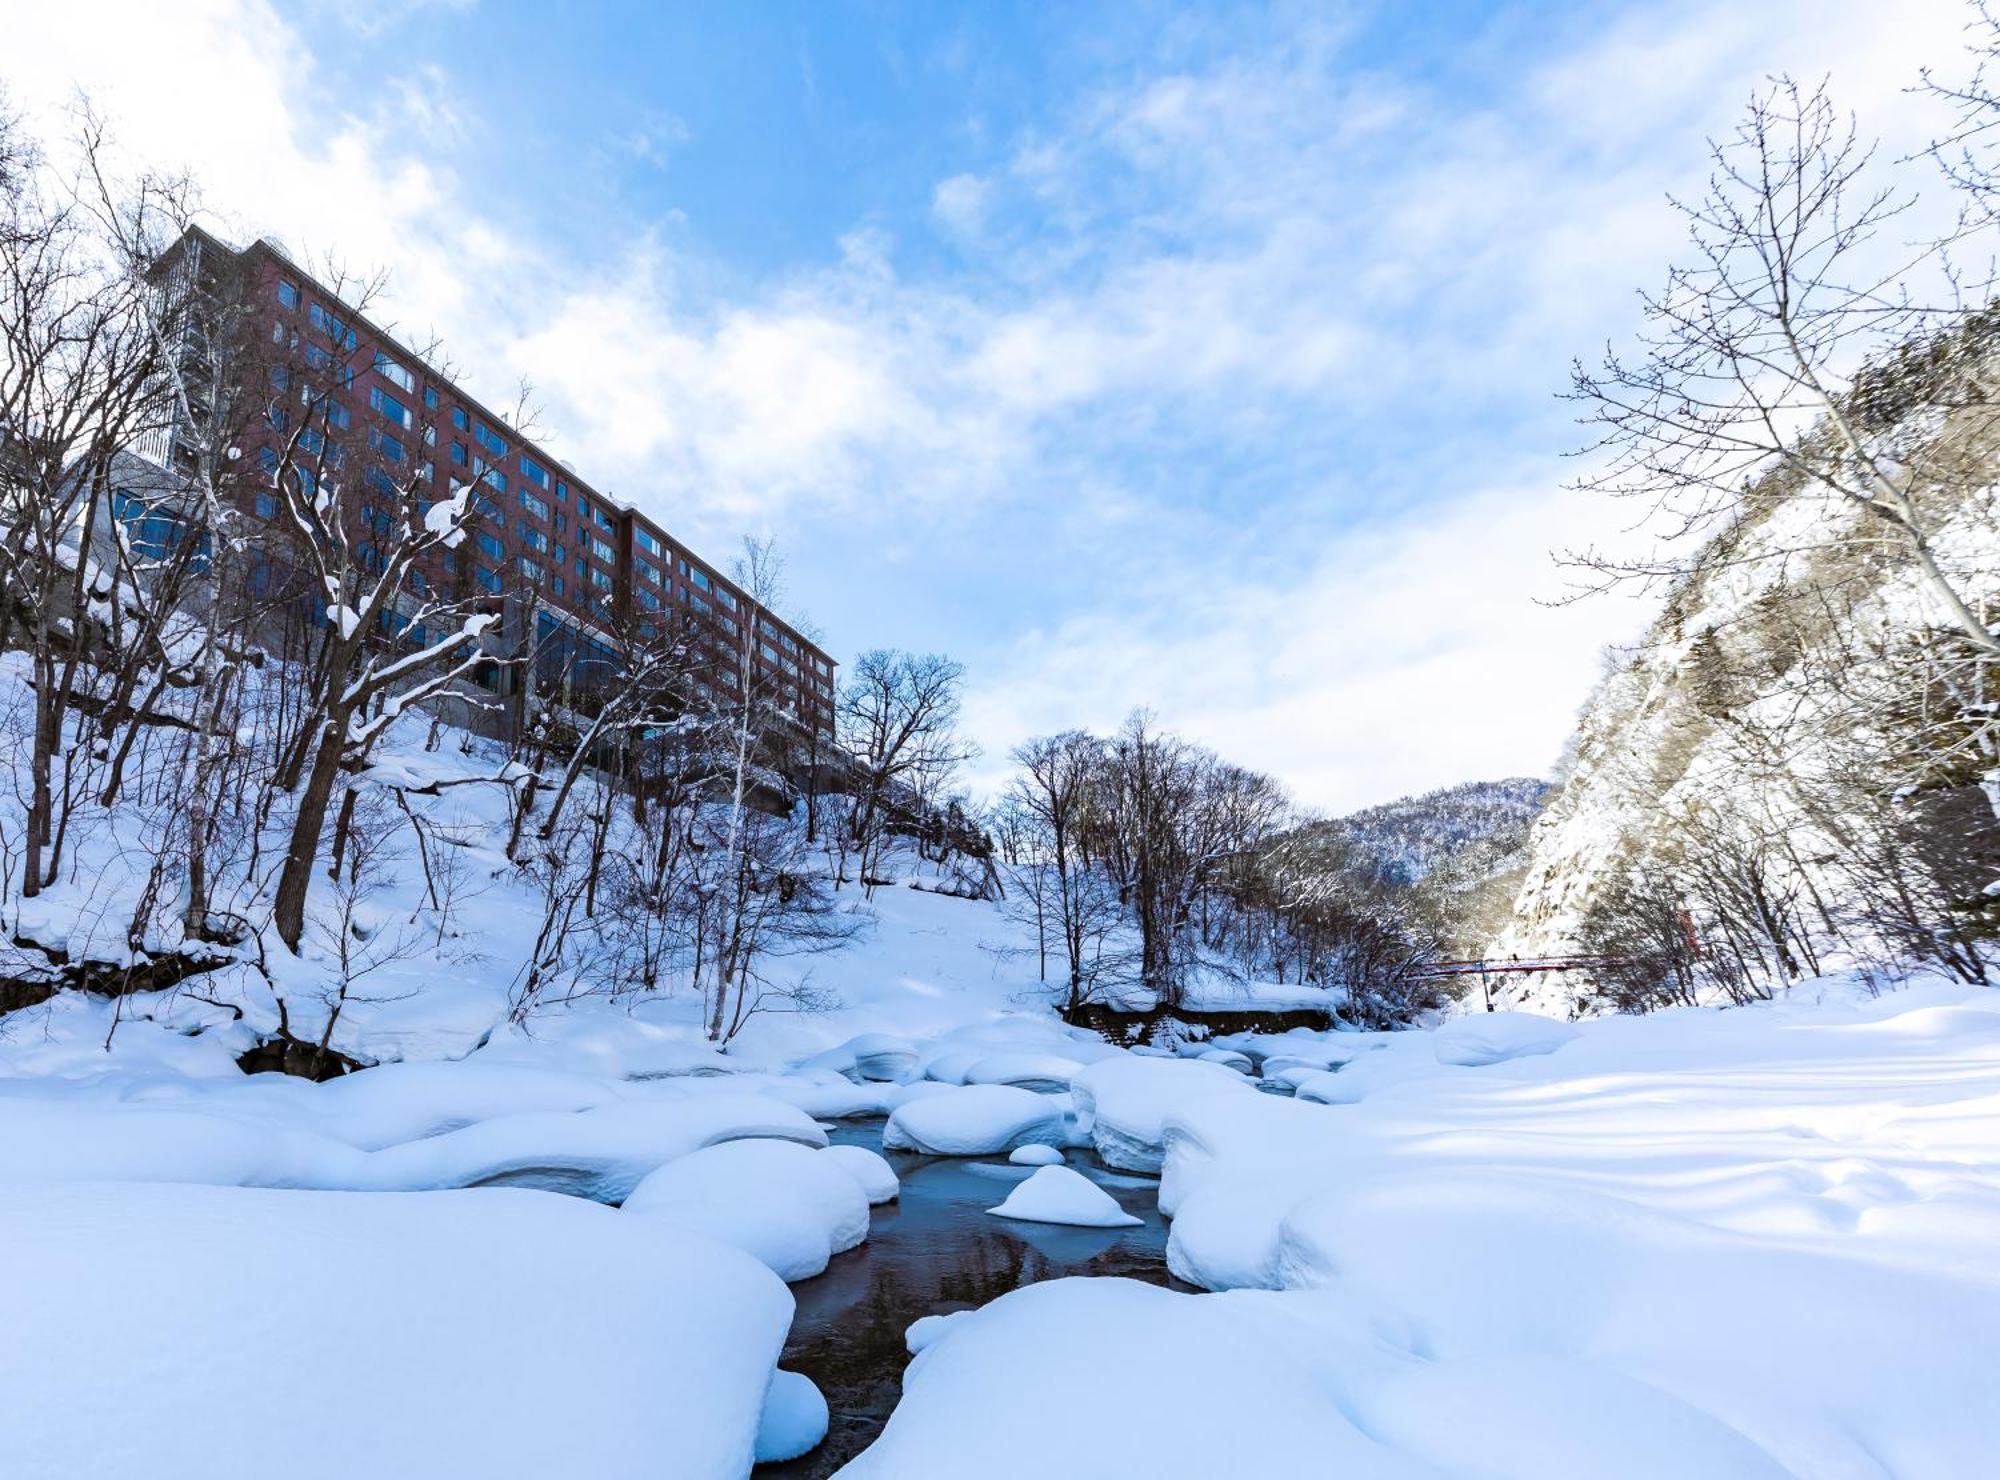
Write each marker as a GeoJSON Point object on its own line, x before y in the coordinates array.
{"type": "Point", "coordinates": [899, 716]}
{"type": "Point", "coordinates": [1756, 359]}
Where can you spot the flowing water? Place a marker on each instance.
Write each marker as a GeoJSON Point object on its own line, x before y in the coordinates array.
{"type": "Point", "coordinates": [936, 1249]}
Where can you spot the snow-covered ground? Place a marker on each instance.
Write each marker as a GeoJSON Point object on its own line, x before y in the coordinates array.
{"type": "Point", "coordinates": [1745, 1243]}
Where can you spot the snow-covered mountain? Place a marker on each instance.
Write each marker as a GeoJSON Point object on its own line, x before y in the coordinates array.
{"type": "Point", "coordinates": [1483, 824]}
{"type": "Point", "coordinates": [1801, 724]}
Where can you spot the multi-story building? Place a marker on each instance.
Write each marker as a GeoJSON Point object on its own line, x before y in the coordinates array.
{"type": "Point", "coordinates": [589, 567]}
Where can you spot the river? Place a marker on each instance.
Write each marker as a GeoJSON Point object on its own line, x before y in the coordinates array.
{"type": "Point", "coordinates": [936, 1249]}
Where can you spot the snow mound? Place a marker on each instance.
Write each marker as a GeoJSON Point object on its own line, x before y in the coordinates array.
{"type": "Point", "coordinates": [1042, 1072]}
{"type": "Point", "coordinates": [788, 1207]}
{"type": "Point", "coordinates": [1036, 1155]}
{"type": "Point", "coordinates": [1229, 1059]}
{"type": "Point", "coordinates": [976, 1120]}
{"type": "Point", "coordinates": [879, 1057]}
{"type": "Point", "coordinates": [454, 1335]}
{"type": "Point", "coordinates": [1494, 1037]}
{"type": "Point", "coordinates": [1058, 1195]}
{"type": "Point", "coordinates": [1127, 1100]}
{"type": "Point", "coordinates": [794, 1420]}
{"type": "Point", "coordinates": [870, 1169]}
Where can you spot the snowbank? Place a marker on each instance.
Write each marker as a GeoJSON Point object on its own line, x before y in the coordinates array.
{"type": "Point", "coordinates": [1494, 1037]}
{"type": "Point", "coordinates": [182, 1332]}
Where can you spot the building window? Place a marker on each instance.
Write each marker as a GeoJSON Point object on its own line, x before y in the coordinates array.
{"type": "Point", "coordinates": [388, 406]}
{"type": "Point", "coordinates": [487, 577]}
{"type": "Point", "coordinates": [528, 568]}
{"type": "Point", "coordinates": [534, 472]}
{"type": "Point", "coordinates": [460, 420]}
{"type": "Point", "coordinates": [288, 293]}
{"type": "Point", "coordinates": [556, 585]}
{"type": "Point", "coordinates": [535, 540]}
{"type": "Point", "coordinates": [458, 453]}
{"type": "Point", "coordinates": [430, 398]}
{"type": "Point", "coordinates": [648, 571]}
{"type": "Point", "coordinates": [603, 551]}
{"type": "Point", "coordinates": [395, 374]}
{"type": "Point", "coordinates": [490, 543]}
{"type": "Point", "coordinates": [700, 578]}
{"type": "Point", "coordinates": [534, 505]}
{"type": "Point", "coordinates": [647, 542]}
{"type": "Point", "coordinates": [560, 554]}
{"type": "Point", "coordinates": [267, 506]}
{"type": "Point", "coordinates": [494, 479]}
{"type": "Point", "coordinates": [332, 327]}
{"type": "Point", "coordinates": [491, 440]}
{"type": "Point", "coordinates": [603, 517]}
{"type": "Point", "coordinates": [562, 492]}
{"type": "Point", "coordinates": [599, 578]}
{"type": "Point", "coordinates": [389, 447]}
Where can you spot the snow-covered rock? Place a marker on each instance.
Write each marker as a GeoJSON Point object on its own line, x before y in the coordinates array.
{"type": "Point", "coordinates": [189, 1332]}
{"type": "Point", "coordinates": [1494, 1037]}
{"type": "Point", "coordinates": [870, 1169]}
{"type": "Point", "coordinates": [794, 1419]}
{"type": "Point", "coordinates": [974, 1120]}
{"type": "Point", "coordinates": [1042, 1072]}
{"type": "Point", "coordinates": [1058, 1195]}
{"type": "Point", "coordinates": [788, 1207]}
{"type": "Point", "coordinates": [1128, 1099]}
{"type": "Point", "coordinates": [1036, 1155]}
{"type": "Point", "coordinates": [1229, 1059]}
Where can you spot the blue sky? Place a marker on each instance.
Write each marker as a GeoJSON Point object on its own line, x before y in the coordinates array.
{"type": "Point", "coordinates": [1194, 356]}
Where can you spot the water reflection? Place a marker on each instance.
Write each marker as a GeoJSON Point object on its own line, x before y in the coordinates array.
{"type": "Point", "coordinates": [933, 1250]}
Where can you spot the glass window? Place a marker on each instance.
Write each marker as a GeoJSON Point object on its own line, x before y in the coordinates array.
{"type": "Point", "coordinates": [700, 578]}
{"type": "Point", "coordinates": [602, 551]}
{"type": "Point", "coordinates": [490, 543]}
{"type": "Point", "coordinates": [599, 578]}
{"type": "Point", "coordinates": [534, 505]}
{"type": "Point", "coordinates": [491, 440]}
{"type": "Point", "coordinates": [562, 492]}
{"type": "Point", "coordinates": [460, 420]}
{"type": "Point", "coordinates": [649, 571]}
{"type": "Point", "coordinates": [487, 577]}
{"type": "Point", "coordinates": [556, 585]}
{"type": "Point", "coordinates": [528, 568]}
{"type": "Point", "coordinates": [395, 374]}
{"type": "Point", "coordinates": [534, 472]}
{"type": "Point", "coordinates": [534, 539]}
{"type": "Point", "coordinates": [494, 479]}
{"type": "Point", "coordinates": [388, 406]}
{"type": "Point", "coordinates": [603, 517]}
{"type": "Point", "coordinates": [458, 453]}
{"type": "Point", "coordinates": [389, 447]}
{"type": "Point", "coordinates": [288, 293]}
{"type": "Point", "coordinates": [331, 326]}
{"type": "Point", "coordinates": [647, 542]}
{"type": "Point", "coordinates": [430, 398]}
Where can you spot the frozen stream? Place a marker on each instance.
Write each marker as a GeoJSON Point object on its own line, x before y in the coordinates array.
{"type": "Point", "coordinates": [936, 1249]}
